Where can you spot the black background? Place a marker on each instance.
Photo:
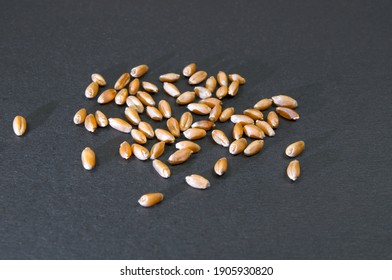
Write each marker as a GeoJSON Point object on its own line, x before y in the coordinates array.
{"type": "Point", "coordinates": [334, 57]}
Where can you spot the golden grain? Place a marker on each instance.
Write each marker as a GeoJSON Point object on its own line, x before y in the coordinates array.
{"type": "Point", "coordinates": [91, 90]}
{"type": "Point", "coordinates": [215, 113]}
{"type": "Point", "coordinates": [203, 124]}
{"type": "Point", "coordinates": [164, 136]}
{"type": "Point", "coordinates": [238, 146]}
{"type": "Point", "coordinates": [140, 151]}
{"type": "Point", "coordinates": [273, 119]}
{"type": "Point", "coordinates": [154, 113]}
{"type": "Point", "coordinates": [185, 98]}
{"type": "Point", "coordinates": [171, 89]}
{"type": "Point", "coordinates": [295, 149]}
{"type": "Point", "coordinates": [226, 114]}
{"type": "Point", "coordinates": [138, 136]}
{"type": "Point", "coordinates": [157, 150]}
{"type": "Point", "coordinates": [287, 113]}
{"type": "Point", "coordinates": [132, 115]}
{"type": "Point", "coordinates": [202, 92]}
{"type": "Point", "coordinates": [221, 92]}
{"type": "Point", "coordinates": [220, 166]}
{"type": "Point", "coordinates": [80, 116]}
{"type": "Point", "coordinates": [99, 79]}
{"type": "Point", "coordinates": [107, 96]}
{"type": "Point", "coordinates": [122, 82]}
{"type": "Point", "coordinates": [169, 77]}
{"type": "Point", "coordinates": [197, 78]}
{"type": "Point", "coordinates": [19, 125]}
{"type": "Point", "coordinates": [242, 119]}
{"type": "Point", "coordinates": [195, 148]}
{"type": "Point", "coordinates": [134, 103]}
{"type": "Point", "coordinates": [162, 169]}
{"type": "Point", "coordinates": [237, 77]}
{"type": "Point", "coordinates": [254, 148]}
{"type": "Point", "coordinates": [150, 199]}
{"type": "Point", "coordinates": [149, 87]}
{"type": "Point", "coordinates": [125, 150]}
{"type": "Point", "coordinates": [174, 127]}
{"type": "Point", "coordinates": [165, 108]}
{"type": "Point", "coordinates": [263, 104]}
{"type": "Point", "coordinates": [233, 88]}
{"type": "Point", "coordinates": [211, 102]}
{"type": "Point", "coordinates": [90, 123]}
{"type": "Point", "coordinates": [254, 114]}
{"type": "Point", "coordinates": [211, 83]}
{"type": "Point", "coordinates": [199, 108]}
{"type": "Point", "coordinates": [253, 131]}
{"type": "Point", "coordinates": [139, 71]}
{"type": "Point", "coordinates": [134, 86]}
{"type": "Point", "coordinates": [180, 156]}
{"type": "Point", "coordinates": [121, 97]}
{"type": "Point", "coordinates": [285, 101]}
{"type": "Point", "coordinates": [238, 131]}
{"type": "Point", "coordinates": [189, 70]}
{"type": "Point", "coordinates": [145, 98]}
{"type": "Point", "coordinates": [147, 129]}
{"type": "Point", "coordinates": [120, 125]}
{"type": "Point", "coordinates": [220, 138]}
{"type": "Point", "coordinates": [102, 120]}
{"type": "Point", "coordinates": [293, 170]}
{"type": "Point", "coordinates": [88, 158]}
{"type": "Point", "coordinates": [197, 181]}
{"type": "Point", "coordinates": [221, 77]}
{"type": "Point", "coordinates": [186, 121]}
{"type": "Point", "coordinates": [266, 128]}
{"type": "Point", "coordinates": [194, 133]}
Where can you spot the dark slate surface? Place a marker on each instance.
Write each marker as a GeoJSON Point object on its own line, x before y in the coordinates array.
{"type": "Point", "coordinates": [334, 57]}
